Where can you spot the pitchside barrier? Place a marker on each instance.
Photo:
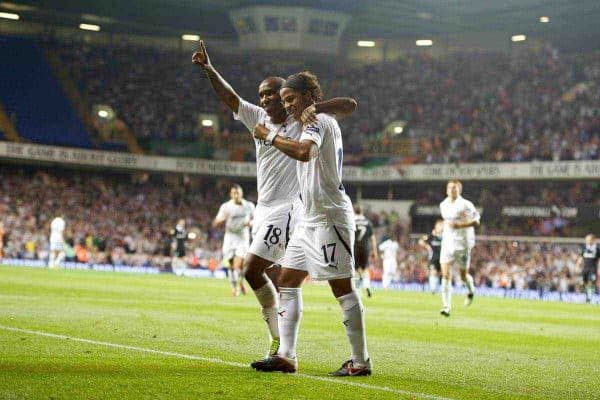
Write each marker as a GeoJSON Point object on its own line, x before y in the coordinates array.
{"type": "Point", "coordinates": [541, 294]}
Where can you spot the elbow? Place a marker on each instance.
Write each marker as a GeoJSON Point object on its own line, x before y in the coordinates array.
{"type": "Point", "coordinates": [476, 224]}
{"type": "Point", "coordinates": [303, 155]}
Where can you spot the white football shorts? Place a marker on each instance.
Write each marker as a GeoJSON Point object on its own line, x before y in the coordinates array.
{"type": "Point", "coordinates": [460, 257]}
{"type": "Point", "coordinates": [325, 252]}
{"type": "Point", "coordinates": [272, 229]}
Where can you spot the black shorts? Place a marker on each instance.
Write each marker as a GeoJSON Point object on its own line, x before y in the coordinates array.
{"type": "Point", "coordinates": [179, 252]}
{"type": "Point", "coordinates": [361, 258]}
{"type": "Point", "coordinates": [589, 275]}
{"type": "Point", "coordinates": [435, 264]}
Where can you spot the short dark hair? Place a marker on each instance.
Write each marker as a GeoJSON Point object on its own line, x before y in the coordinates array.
{"type": "Point", "coordinates": [357, 208]}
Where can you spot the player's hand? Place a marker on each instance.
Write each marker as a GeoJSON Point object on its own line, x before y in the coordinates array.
{"type": "Point", "coordinates": [456, 224]}
{"type": "Point", "coordinates": [260, 132]}
{"type": "Point", "coordinates": [309, 115]}
{"type": "Point", "coordinates": [201, 56]}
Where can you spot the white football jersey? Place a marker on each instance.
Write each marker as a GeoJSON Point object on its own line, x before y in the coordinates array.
{"type": "Point", "coordinates": [238, 216]}
{"type": "Point", "coordinates": [321, 190]}
{"type": "Point", "coordinates": [57, 227]}
{"type": "Point", "coordinates": [275, 172]}
{"type": "Point", "coordinates": [459, 210]}
{"type": "Point", "coordinates": [389, 248]}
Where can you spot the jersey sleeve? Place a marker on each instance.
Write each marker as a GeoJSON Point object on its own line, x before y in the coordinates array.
{"type": "Point", "coordinates": [474, 214]}
{"type": "Point", "coordinates": [249, 114]}
{"type": "Point", "coordinates": [369, 229]}
{"type": "Point", "coordinates": [221, 213]}
{"type": "Point", "coordinates": [315, 132]}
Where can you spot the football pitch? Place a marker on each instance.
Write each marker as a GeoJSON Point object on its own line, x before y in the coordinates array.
{"type": "Point", "coordinates": [98, 335]}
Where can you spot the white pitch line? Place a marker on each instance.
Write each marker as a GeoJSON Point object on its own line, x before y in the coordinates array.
{"type": "Point", "coordinates": [341, 381]}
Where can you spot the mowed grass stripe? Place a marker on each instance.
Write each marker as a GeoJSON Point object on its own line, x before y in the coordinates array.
{"type": "Point", "coordinates": [496, 349]}
{"type": "Point", "coordinates": [212, 360]}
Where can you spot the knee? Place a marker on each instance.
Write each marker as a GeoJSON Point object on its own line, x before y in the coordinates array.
{"type": "Point", "coordinates": [290, 278]}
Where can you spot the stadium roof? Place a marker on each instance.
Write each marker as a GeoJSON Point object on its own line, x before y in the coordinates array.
{"type": "Point", "coordinates": [569, 19]}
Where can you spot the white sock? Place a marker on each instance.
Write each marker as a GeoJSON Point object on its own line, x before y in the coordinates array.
{"type": "Point", "coordinates": [386, 279]}
{"type": "Point", "coordinates": [433, 282]}
{"type": "Point", "coordinates": [290, 313]}
{"type": "Point", "coordinates": [469, 284]}
{"type": "Point", "coordinates": [233, 277]}
{"type": "Point", "coordinates": [446, 293]}
{"type": "Point", "coordinates": [354, 322]}
{"type": "Point", "coordinates": [51, 260]}
{"type": "Point", "coordinates": [366, 283]}
{"type": "Point", "coordinates": [267, 297]}
{"type": "Point", "coordinates": [358, 281]}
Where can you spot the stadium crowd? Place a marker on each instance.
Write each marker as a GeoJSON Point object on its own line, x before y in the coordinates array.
{"type": "Point", "coordinates": [506, 265]}
{"type": "Point", "coordinates": [126, 220]}
{"type": "Point", "coordinates": [529, 105]}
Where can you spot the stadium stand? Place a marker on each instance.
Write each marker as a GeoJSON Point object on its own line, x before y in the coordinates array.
{"type": "Point", "coordinates": [534, 105]}
{"type": "Point", "coordinates": [33, 95]}
{"type": "Point", "coordinates": [124, 219]}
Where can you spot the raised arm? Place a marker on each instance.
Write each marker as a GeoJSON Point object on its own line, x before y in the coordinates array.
{"type": "Point", "coordinates": [219, 85]}
{"type": "Point", "coordinates": [341, 107]}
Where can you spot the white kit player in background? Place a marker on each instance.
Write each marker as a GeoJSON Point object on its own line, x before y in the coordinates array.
{"type": "Point", "coordinates": [322, 245]}
{"type": "Point", "coordinates": [57, 242]}
{"type": "Point", "coordinates": [458, 238]}
{"type": "Point", "coordinates": [236, 215]}
{"type": "Point", "coordinates": [389, 249]}
{"type": "Point", "coordinates": [277, 184]}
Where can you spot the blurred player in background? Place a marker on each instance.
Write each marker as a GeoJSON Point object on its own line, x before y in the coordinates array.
{"type": "Point", "coordinates": [458, 238]}
{"type": "Point", "coordinates": [322, 245]}
{"type": "Point", "coordinates": [57, 242]}
{"type": "Point", "coordinates": [590, 254]}
{"type": "Point", "coordinates": [179, 236]}
{"type": "Point", "coordinates": [389, 249]}
{"type": "Point", "coordinates": [2, 238]}
{"type": "Point", "coordinates": [278, 203]}
{"type": "Point", "coordinates": [364, 245]}
{"type": "Point", "coordinates": [433, 244]}
{"type": "Point", "coordinates": [236, 215]}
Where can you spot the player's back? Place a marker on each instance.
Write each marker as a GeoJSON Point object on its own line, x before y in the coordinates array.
{"type": "Point", "coordinates": [325, 200]}
{"type": "Point", "coordinates": [389, 249]}
{"type": "Point", "coordinates": [364, 231]}
{"type": "Point", "coordinates": [57, 227]}
{"type": "Point", "coordinates": [435, 242]}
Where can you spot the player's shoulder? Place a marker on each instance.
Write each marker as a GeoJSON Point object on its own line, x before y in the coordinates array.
{"type": "Point", "coordinates": [246, 105]}
{"type": "Point", "coordinates": [326, 120]}
{"type": "Point", "coordinates": [467, 202]}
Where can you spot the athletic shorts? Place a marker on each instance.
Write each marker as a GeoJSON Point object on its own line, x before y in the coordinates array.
{"type": "Point", "coordinates": [589, 275]}
{"type": "Point", "coordinates": [361, 258]}
{"type": "Point", "coordinates": [57, 245]}
{"type": "Point", "coordinates": [272, 229]}
{"type": "Point", "coordinates": [325, 252]}
{"type": "Point", "coordinates": [390, 266]}
{"type": "Point", "coordinates": [234, 246]}
{"type": "Point", "coordinates": [460, 257]}
{"type": "Point", "coordinates": [435, 265]}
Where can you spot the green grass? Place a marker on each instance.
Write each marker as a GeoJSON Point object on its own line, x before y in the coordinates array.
{"type": "Point", "coordinates": [496, 349]}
